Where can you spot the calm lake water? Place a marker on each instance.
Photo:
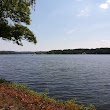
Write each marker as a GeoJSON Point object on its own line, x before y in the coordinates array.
{"type": "Point", "coordinates": [86, 77]}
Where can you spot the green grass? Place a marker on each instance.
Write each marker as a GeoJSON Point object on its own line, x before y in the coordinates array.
{"type": "Point", "coordinates": [46, 100]}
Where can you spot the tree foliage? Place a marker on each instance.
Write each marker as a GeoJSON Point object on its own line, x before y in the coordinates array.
{"type": "Point", "coordinates": [13, 15]}
{"type": "Point", "coordinates": [81, 51]}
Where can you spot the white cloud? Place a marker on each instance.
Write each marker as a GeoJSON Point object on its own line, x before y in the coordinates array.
{"type": "Point", "coordinates": [105, 5]}
{"type": "Point", "coordinates": [70, 31]}
{"type": "Point", "coordinates": [108, 1]}
{"type": "Point", "coordinates": [84, 12]}
{"type": "Point", "coordinates": [103, 43]}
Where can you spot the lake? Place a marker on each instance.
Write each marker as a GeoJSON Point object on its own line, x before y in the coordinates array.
{"type": "Point", "coordinates": [85, 77]}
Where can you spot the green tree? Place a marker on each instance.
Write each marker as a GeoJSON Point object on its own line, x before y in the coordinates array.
{"type": "Point", "coordinates": [14, 14]}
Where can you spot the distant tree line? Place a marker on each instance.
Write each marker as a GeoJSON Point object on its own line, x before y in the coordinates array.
{"type": "Point", "coordinates": [81, 51]}
{"type": "Point", "coordinates": [13, 52]}
{"type": "Point", "coordinates": [65, 51]}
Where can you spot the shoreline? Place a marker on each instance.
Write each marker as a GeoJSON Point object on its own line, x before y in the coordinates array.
{"type": "Point", "coordinates": [18, 96]}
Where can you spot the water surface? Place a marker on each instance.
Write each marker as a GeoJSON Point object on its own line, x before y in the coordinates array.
{"type": "Point", "coordinates": [86, 77]}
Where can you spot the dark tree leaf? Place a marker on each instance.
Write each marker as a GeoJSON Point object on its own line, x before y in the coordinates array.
{"type": "Point", "coordinates": [16, 13]}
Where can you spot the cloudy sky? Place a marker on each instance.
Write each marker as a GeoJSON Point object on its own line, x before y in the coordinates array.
{"type": "Point", "coordinates": [67, 24]}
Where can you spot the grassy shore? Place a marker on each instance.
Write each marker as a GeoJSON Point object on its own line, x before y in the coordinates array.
{"type": "Point", "coordinates": [18, 97]}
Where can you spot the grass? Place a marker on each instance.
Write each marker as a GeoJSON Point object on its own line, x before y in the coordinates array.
{"type": "Point", "coordinates": [18, 97]}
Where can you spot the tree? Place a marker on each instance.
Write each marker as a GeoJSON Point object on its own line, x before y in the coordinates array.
{"type": "Point", "coordinates": [13, 15]}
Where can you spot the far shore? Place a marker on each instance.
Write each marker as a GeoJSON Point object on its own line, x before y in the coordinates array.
{"type": "Point", "coordinates": [65, 51]}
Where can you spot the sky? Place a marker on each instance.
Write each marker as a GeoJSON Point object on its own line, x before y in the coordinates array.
{"type": "Point", "coordinates": [67, 24]}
